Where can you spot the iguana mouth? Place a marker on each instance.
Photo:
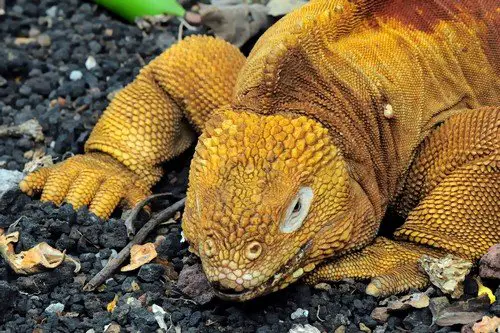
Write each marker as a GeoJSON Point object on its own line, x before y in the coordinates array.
{"type": "Point", "coordinates": [274, 283]}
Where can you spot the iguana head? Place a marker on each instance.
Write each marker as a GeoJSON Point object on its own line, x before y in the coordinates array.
{"type": "Point", "coordinates": [262, 192]}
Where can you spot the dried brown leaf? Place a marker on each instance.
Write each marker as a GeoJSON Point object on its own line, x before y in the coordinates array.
{"type": "Point", "coordinates": [447, 273]}
{"type": "Point", "coordinates": [112, 305]}
{"type": "Point", "coordinates": [140, 255]}
{"type": "Point", "coordinates": [34, 260]}
{"type": "Point", "coordinates": [487, 325]}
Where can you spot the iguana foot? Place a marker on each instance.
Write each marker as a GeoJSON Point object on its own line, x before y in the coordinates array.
{"type": "Point", "coordinates": [392, 266]}
{"type": "Point", "coordinates": [93, 179]}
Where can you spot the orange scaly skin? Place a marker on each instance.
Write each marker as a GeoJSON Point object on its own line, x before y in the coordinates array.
{"type": "Point", "coordinates": [342, 109]}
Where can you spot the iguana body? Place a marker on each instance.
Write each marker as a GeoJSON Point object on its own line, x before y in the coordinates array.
{"type": "Point", "coordinates": [341, 109]}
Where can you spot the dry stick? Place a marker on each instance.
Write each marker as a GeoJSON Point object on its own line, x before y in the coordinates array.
{"type": "Point", "coordinates": [114, 263]}
{"type": "Point", "coordinates": [129, 221]}
{"type": "Point", "coordinates": [31, 128]}
{"type": "Point", "coordinates": [9, 130]}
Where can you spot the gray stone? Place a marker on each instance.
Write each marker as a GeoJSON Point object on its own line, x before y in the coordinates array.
{"type": "Point", "coordinates": [9, 179]}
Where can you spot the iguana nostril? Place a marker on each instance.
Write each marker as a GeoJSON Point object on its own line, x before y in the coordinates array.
{"type": "Point", "coordinates": [253, 250]}
{"type": "Point", "coordinates": [209, 247]}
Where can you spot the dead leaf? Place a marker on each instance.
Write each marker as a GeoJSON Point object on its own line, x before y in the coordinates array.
{"type": "Point", "coordinates": [160, 316]}
{"type": "Point", "coordinates": [34, 260]}
{"type": "Point", "coordinates": [39, 160]}
{"type": "Point", "coordinates": [140, 255]}
{"type": "Point", "coordinates": [447, 273]}
{"type": "Point", "coordinates": [307, 328]}
{"type": "Point", "coordinates": [235, 23]}
{"type": "Point", "coordinates": [24, 40]}
{"type": "Point", "coordinates": [282, 7]}
{"type": "Point", "coordinates": [416, 300]}
{"type": "Point", "coordinates": [112, 328]}
{"type": "Point", "coordinates": [393, 303]}
{"type": "Point", "coordinates": [487, 325]}
{"type": "Point", "coordinates": [483, 290]}
{"type": "Point", "coordinates": [39, 257]}
{"type": "Point", "coordinates": [380, 314]}
{"type": "Point", "coordinates": [112, 305]}
{"type": "Point", "coordinates": [32, 128]}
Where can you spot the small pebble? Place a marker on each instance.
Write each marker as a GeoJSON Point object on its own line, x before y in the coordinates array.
{"type": "Point", "coordinates": [54, 308]}
{"type": "Point", "coordinates": [33, 32]}
{"type": "Point", "coordinates": [304, 329]}
{"type": "Point", "coordinates": [44, 40]}
{"type": "Point", "coordinates": [52, 11]}
{"type": "Point", "coordinates": [151, 272]}
{"type": "Point", "coordinates": [90, 63]}
{"type": "Point", "coordinates": [299, 313]}
{"type": "Point", "coordinates": [75, 75]}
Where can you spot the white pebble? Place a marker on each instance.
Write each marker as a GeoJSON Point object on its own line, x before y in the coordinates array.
{"type": "Point", "coordinates": [90, 63]}
{"type": "Point", "coordinates": [134, 302]}
{"type": "Point", "coordinates": [44, 40]}
{"type": "Point", "coordinates": [54, 308]}
{"type": "Point", "coordinates": [52, 11]}
{"type": "Point", "coordinates": [299, 313]}
{"type": "Point", "coordinates": [303, 329]}
{"type": "Point", "coordinates": [160, 316]}
{"type": "Point", "coordinates": [75, 75]}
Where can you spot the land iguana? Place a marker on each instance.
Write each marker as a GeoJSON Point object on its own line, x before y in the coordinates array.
{"type": "Point", "coordinates": [341, 110]}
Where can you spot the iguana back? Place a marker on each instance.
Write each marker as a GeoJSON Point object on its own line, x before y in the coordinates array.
{"type": "Point", "coordinates": [379, 74]}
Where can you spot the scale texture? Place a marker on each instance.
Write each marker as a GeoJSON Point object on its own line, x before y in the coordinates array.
{"type": "Point", "coordinates": [365, 104]}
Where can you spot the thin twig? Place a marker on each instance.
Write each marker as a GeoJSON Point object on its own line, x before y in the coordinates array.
{"type": "Point", "coordinates": [182, 299]}
{"type": "Point", "coordinates": [13, 225]}
{"type": "Point", "coordinates": [181, 31]}
{"type": "Point", "coordinates": [317, 314]}
{"type": "Point", "coordinates": [182, 25]}
{"type": "Point", "coordinates": [171, 322]}
{"type": "Point", "coordinates": [30, 128]}
{"type": "Point", "coordinates": [114, 263]}
{"type": "Point", "coordinates": [88, 240]}
{"type": "Point", "coordinates": [129, 221]}
{"type": "Point", "coordinates": [140, 59]}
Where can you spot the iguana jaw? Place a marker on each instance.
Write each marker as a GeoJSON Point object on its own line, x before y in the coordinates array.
{"type": "Point", "coordinates": [283, 277]}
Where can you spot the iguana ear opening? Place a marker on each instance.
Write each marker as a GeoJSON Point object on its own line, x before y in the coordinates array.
{"type": "Point", "coordinates": [297, 210]}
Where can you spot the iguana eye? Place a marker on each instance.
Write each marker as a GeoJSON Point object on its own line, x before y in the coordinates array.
{"type": "Point", "coordinates": [297, 211]}
{"type": "Point", "coordinates": [296, 208]}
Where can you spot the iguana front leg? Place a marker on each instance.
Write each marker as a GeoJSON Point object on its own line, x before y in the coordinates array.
{"type": "Point", "coordinates": [392, 266]}
{"type": "Point", "coordinates": [453, 195]}
{"type": "Point", "coordinates": [144, 125]}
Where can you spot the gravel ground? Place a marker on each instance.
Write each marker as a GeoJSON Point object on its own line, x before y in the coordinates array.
{"type": "Point", "coordinates": [45, 46]}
